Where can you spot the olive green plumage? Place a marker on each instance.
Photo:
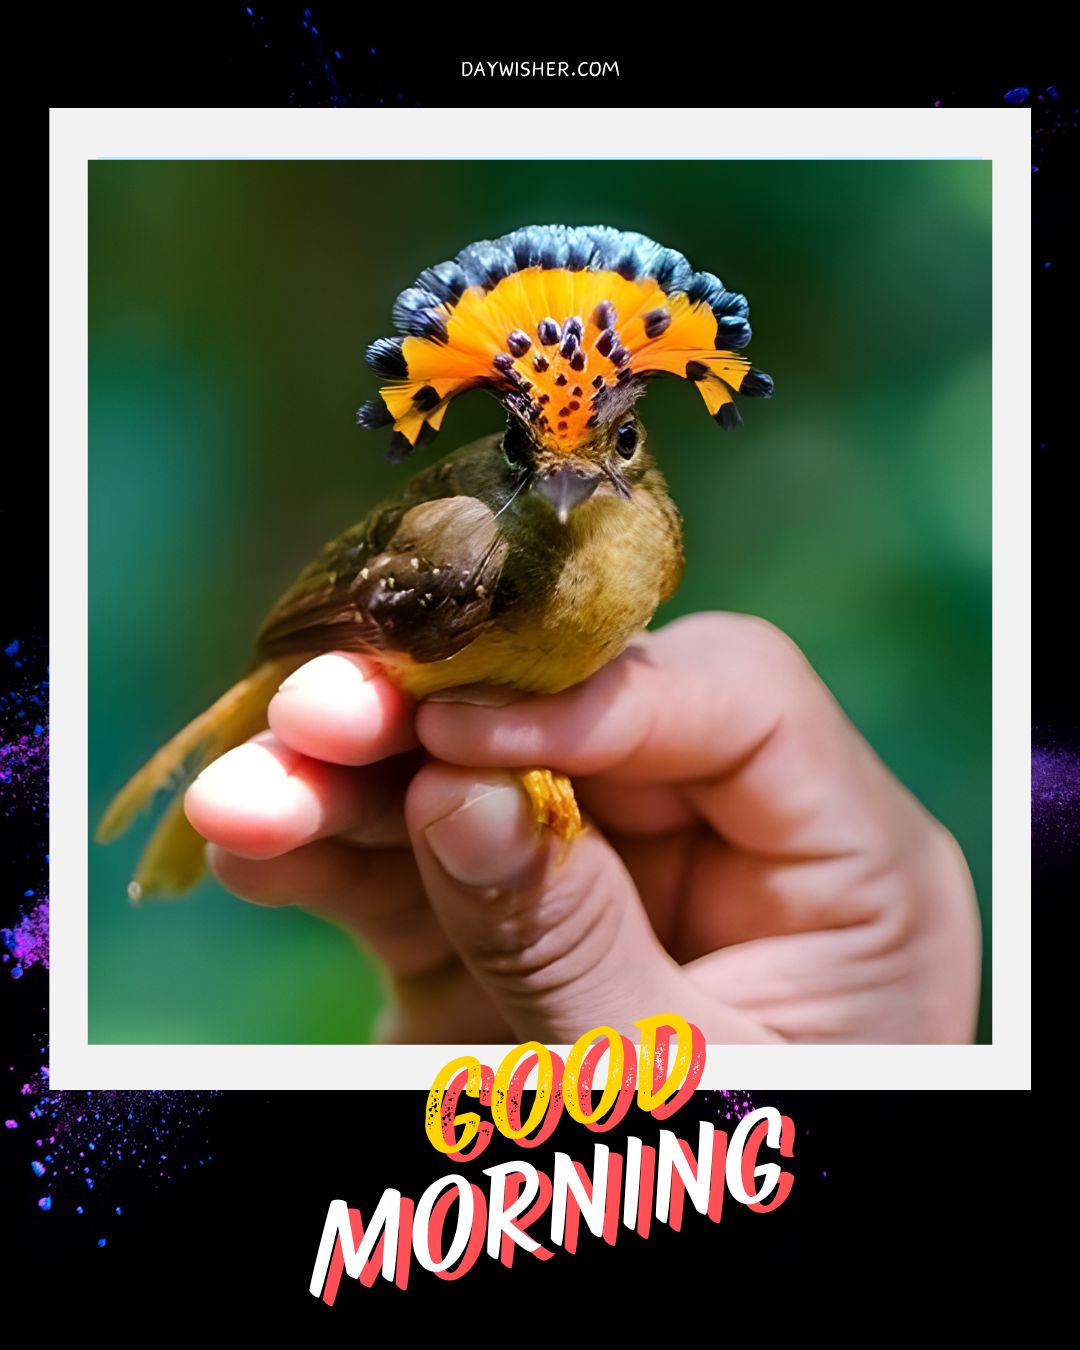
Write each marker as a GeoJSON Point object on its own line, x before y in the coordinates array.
{"type": "Point", "coordinates": [503, 563]}
{"type": "Point", "coordinates": [474, 574]}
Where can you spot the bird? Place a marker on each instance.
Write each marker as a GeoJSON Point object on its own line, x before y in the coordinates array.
{"type": "Point", "coordinates": [529, 558]}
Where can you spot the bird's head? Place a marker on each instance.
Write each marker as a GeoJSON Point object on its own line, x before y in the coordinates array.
{"type": "Point", "coordinates": [565, 325]}
{"type": "Point", "coordinates": [606, 463]}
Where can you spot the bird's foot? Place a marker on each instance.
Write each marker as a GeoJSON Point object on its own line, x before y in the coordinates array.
{"type": "Point", "coordinates": [554, 804]}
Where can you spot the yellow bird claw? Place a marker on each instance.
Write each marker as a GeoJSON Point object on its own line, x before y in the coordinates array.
{"type": "Point", "coordinates": [554, 804]}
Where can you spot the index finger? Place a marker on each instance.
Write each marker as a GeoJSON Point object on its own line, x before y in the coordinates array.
{"type": "Point", "coordinates": [341, 708]}
{"type": "Point", "coordinates": [722, 707]}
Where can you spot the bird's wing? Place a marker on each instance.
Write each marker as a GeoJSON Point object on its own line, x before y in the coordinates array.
{"type": "Point", "coordinates": [419, 581]}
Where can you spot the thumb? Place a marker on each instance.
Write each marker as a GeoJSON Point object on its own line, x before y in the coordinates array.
{"type": "Point", "coordinates": [556, 934]}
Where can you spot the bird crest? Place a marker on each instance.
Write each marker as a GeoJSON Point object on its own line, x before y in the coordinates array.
{"type": "Point", "coordinates": [564, 324]}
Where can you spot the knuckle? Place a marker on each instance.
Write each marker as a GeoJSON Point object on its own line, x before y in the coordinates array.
{"type": "Point", "coordinates": [768, 643]}
{"type": "Point", "coordinates": [933, 883]}
{"type": "Point", "coordinates": [936, 852]}
{"type": "Point", "coordinates": [952, 863]}
{"type": "Point", "coordinates": [723, 631]}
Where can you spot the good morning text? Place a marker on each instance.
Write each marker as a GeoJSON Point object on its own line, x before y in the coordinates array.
{"type": "Point", "coordinates": [518, 1206]}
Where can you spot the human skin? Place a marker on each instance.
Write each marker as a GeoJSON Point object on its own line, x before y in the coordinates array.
{"type": "Point", "coordinates": [750, 863]}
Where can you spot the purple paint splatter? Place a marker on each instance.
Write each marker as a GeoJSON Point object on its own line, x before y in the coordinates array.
{"type": "Point", "coordinates": [27, 942]}
{"type": "Point", "coordinates": [74, 1141]}
{"type": "Point", "coordinates": [81, 1140]}
{"type": "Point", "coordinates": [1055, 798]}
{"type": "Point", "coordinates": [730, 1105]}
{"type": "Point", "coordinates": [24, 731]}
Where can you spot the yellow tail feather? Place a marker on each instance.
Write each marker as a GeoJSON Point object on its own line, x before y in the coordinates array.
{"type": "Point", "coordinates": [173, 859]}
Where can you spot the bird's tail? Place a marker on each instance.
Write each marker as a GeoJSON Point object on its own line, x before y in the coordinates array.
{"type": "Point", "coordinates": [173, 859]}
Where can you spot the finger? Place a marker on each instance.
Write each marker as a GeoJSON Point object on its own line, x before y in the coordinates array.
{"type": "Point", "coordinates": [725, 710]}
{"type": "Point", "coordinates": [342, 709]}
{"type": "Point", "coordinates": [659, 869]}
{"type": "Point", "coordinates": [636, 810]}
{"type": "Point", "coordinates": [732, 897]}
{"type": "Point", "coordinates": [558, 938]}
{"type": "Point", "coordinates": [849, 951]}
{"type": "Point", "coordinates": [375, 894]}
{"type": "Point", "coordinates": [263, 799]}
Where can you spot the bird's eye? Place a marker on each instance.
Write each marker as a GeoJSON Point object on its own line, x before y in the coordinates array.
{"type": "Point", "coordinates": [516, 445]}
{"type": "Point", "coordinates": [626, 440]}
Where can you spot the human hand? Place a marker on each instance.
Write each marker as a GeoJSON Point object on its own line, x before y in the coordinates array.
{"type": "Point", "coordinates": [751, 864]}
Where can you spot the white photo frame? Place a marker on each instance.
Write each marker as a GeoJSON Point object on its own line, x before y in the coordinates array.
{"type": "Point", "coordinates": [77, 136]}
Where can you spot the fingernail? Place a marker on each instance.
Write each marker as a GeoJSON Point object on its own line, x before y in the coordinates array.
{"type": "Point", "coordinates": [478, 695]}
{"type": "Point", "coordinates": [262, 761]}
{"type": "Point", "coordinates": [263, 800]}
{"type": "Point", "coordinates": [489, 841]}
{"type": "Point", "coordinates": [330, 667]}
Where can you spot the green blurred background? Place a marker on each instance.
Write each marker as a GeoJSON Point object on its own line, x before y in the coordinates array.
{"type": "Point", "coordinates": [230, 304]}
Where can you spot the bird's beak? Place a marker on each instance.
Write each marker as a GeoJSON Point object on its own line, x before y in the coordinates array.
{"type": "Point", "coordinates": [566, 488]}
